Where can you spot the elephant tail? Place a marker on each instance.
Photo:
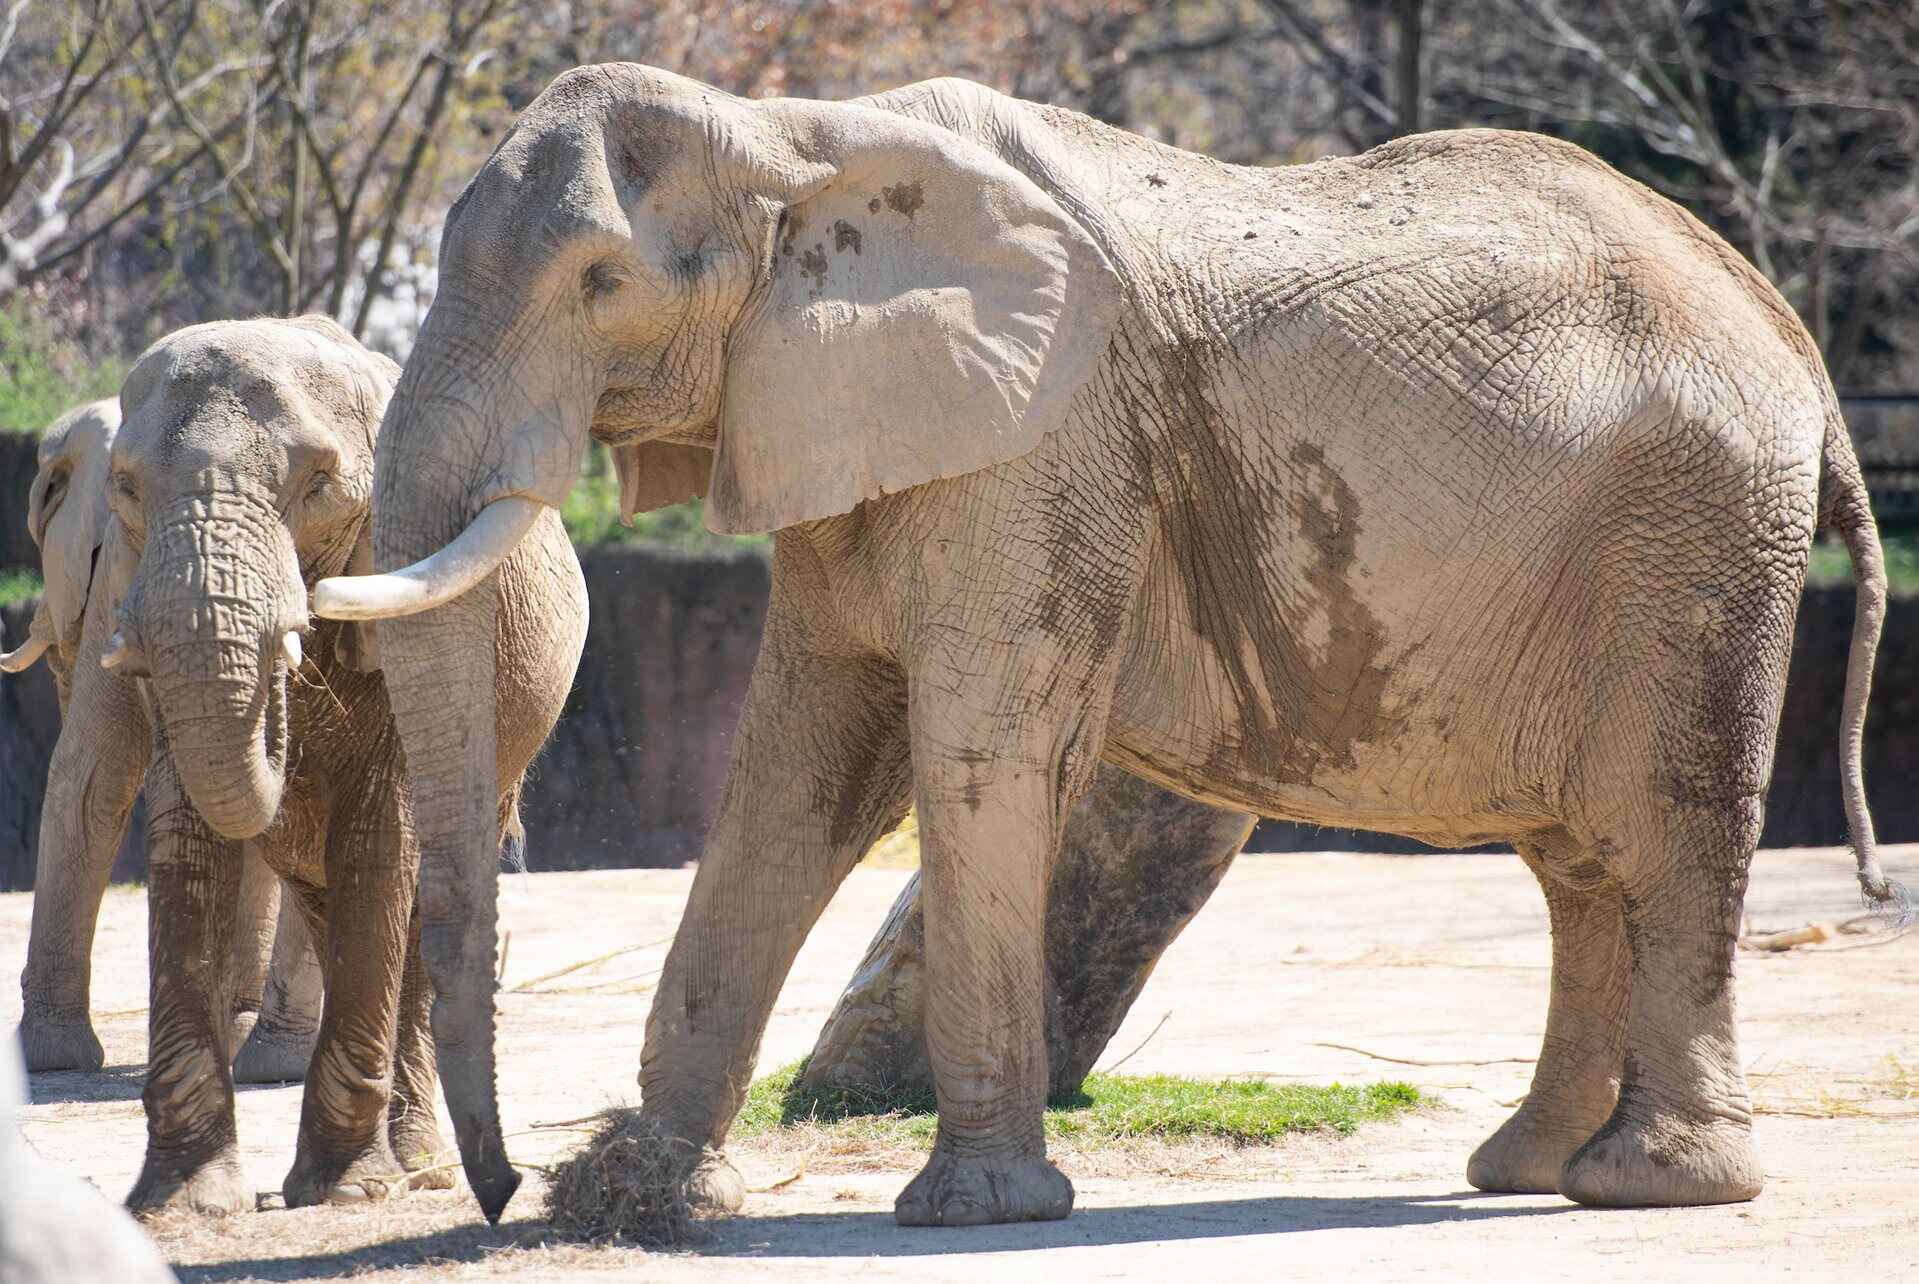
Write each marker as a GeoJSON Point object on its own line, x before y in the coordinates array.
{"type": "Point", "coordinates": [1844, 506]}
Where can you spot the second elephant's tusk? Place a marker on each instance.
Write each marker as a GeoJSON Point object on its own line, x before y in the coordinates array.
{"type": "Point", "coordinates": [21, 658]}
{"type": "Point", "coordinates": [290, 649]}
{"type": "Point", "coordinates": [470, 558]}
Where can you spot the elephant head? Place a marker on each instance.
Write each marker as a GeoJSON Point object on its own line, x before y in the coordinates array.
{"type": "Point", "coordinates": [830, 301]}
{"type": "Point", "coordinates": [67, 517]}
{"type": "Point", "coordinates": [242, 474]}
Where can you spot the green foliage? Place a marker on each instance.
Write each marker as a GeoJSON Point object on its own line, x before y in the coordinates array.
{"type": "Point", "coordinates": [41, 375]}
{"type": "Point", "coordinates": [1832, 566]}
{"type": "Point", "coordinates": [592, 516]}
{"type": "Point", "coordinates": [1108, 1108]}
{"type": "Point", "coordinates": [18, 586]}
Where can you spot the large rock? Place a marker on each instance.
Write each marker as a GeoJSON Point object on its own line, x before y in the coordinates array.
{"type": "Point", "coordinates": [1134, 867]}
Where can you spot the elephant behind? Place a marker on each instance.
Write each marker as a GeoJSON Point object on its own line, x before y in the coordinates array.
{"type": "Point", "coordinates": [240, 477]}
{"type": "Point", "coordinates": [92, 784]}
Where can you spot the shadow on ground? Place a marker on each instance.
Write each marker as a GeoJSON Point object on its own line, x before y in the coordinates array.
{"type": "Point", "coordinates": [863, 1235]}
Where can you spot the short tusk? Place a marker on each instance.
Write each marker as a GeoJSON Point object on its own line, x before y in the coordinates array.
{"type": "Point", "coordinates": [470, 558]}
{"type": "Point", "coordinates": [21, 658]}
{"type": "Point", "coordinates": [290, 648]}
{"type": "Point", "coordinates": [119, 651]}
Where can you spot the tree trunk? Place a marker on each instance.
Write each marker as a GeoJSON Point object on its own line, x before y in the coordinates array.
{"type": "Point", "coordinates": [1135, 865]}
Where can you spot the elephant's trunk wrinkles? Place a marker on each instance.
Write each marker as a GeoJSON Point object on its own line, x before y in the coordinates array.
{"type": "Point", "coordinates": [219, 590]}
{"type": "Point", "coordinates": [439, 668]}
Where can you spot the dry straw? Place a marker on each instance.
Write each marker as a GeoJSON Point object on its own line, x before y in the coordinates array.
{"type": "Point", "coordinates": [627, 1185]}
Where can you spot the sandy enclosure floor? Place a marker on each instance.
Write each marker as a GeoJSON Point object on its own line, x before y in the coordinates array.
{"type": "Point", "coordinates": [1435, 959]}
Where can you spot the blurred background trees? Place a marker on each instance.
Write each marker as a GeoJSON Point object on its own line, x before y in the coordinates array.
{"type": "Point", "coordinates": [168, 161]}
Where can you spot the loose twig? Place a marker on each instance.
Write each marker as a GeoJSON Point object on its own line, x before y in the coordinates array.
{"type": "Point", "coordinates": [1142, 1043]}
{"type": "Point", "coordinates": [1408, 1061]}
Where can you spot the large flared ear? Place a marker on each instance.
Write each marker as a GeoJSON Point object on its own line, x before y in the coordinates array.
{"type": "Point", "coordinates": [655, 474]}
{"type": "Point", "coordinates": [929, 312]}
{"type": "Point", "coordinates": [67, 513]}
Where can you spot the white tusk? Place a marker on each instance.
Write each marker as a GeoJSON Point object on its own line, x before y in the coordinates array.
{"type": "Point", "coordinates": [470, 558]}
{"type": "Point", "coordinates": [118, 651]}
{"type": "Point", "coordinates": [290, 648]}
{"type": "Point", "coordinates": [21, 658]}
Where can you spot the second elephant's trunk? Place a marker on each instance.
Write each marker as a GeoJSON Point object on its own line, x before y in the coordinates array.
{"type": "Point", "coordinates": [218, 591]}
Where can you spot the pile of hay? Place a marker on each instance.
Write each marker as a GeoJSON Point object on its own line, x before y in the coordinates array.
{"type": "Point", "coordinates": [628, 1184]}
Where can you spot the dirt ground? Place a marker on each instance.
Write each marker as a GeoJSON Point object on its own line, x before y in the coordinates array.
{"type": "Point", "coordinates": [1438, 960]}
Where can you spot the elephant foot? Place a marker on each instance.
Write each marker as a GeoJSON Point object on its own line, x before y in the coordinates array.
{"type": "Point", "coordinates": [59, 1041]}
{"type": "Point", "coordinates": [715, 1185]}
{"type": "Point", "coordinates": [1666, 1162]}
{"type": "Point", "coordinates": [274, 1054]}
{"type": "Point", "coordinates": [1526, 1154]}
{"type": "Point", "coordinates": [375, 1174]}
{"type": "Point", "coordinates": [964, 1191]}
{"type": "Point", "coordinates": [216, 1186]}
{"type": "Point", "coordinates": [423, 1153]}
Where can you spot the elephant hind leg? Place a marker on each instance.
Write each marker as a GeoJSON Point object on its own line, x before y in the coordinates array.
{"type": "Point", "coordinates": [1681, 1133]}
{"type": "Point", "coordinates": [1576, 1082]}
{"type": "Point", "coordinates": [280, 1045]}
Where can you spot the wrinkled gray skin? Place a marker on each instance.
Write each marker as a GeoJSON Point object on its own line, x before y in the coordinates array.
{"type": "Point", "coordinates": [241, 476]}
{"type": "Point", "coordinates": [1462, 489]}
{"type": "Point", "coordinates": [1135, 864]}
{"type": "Point", "coordinates": [95, 774]}
{"type": "Point", "coordinates": [55, 1228]}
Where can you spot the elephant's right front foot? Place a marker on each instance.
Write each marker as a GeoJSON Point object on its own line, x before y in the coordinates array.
{"type": "Point", "coordinates": [964, 1191]}
{"type": "Point", "coordinates": [715, 1185]}
{"type": "Point", "coordinates": [373, 1175]}
{"type": "Point", "coordinates": [59, 1041]}
{"type": "Point", "coordinates": [215, 1186]}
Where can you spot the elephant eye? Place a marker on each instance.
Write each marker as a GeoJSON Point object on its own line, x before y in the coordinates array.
{"type": "Point", "coordinates": [600, 279]}
{"type": "Point", "coordinates": [318, 485]}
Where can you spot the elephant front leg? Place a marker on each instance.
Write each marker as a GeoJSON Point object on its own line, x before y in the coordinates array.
{"type": "Point", "coordinates": [1576, 1083]}
{"type": "Point", "coordinates": [411, 1125]}
{"type": "Point", "coordinates": [343, 1154]}
{"type": "Point", "coordinates": [992, 803]}
{"type": "Point", "coordinates": [193, 882]}
{"type": "Point", "coordinates": [819, 771]}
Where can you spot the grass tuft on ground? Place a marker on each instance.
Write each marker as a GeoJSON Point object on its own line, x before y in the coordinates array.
{"type": "Point", "coordinates": [1109, 1108]}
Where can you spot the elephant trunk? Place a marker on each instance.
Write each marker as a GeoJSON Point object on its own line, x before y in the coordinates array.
{"type": "Point", "coordinates": [218, 594]}
{"type": "Point", "coordinates": [439, 667]}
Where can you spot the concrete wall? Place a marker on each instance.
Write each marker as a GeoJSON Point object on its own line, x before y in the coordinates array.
{"type": "Point", "coordinates": [636, 764]}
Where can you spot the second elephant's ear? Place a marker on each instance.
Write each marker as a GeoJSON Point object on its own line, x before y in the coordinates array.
{"type": "Point", "coordinates": [930, 312]}
{"type": "Point", "coordinates": [654, 474]}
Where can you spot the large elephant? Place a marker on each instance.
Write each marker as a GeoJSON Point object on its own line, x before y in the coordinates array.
{"type": "Point", "coordinates": [241, 476]}
{"type": "Point", "coordinates": [1463, 489]}
{"type": "Point", "coordinates": [97, 766]}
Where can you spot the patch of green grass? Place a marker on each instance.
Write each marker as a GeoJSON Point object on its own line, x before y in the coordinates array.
{"type": "Point", "coordinates": [19, 586]}
{"type": "Point", "coordinates": [42, 375]}
{"type": "Point", "coordinates": [592, 516]}
{"type": "Point", "coordinates": [1108, 1108]}
{"type": "Point", "coordinates": [1831, 565]}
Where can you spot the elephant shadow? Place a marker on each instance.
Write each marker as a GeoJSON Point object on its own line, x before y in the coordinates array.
{"type": "Point", "coordinates": [869, 1235]}
{"type": "Point", "coordinates": [109, 1083]}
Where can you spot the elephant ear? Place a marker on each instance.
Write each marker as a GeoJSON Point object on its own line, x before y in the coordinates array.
{"type": "Point", "coordinates": [67, 514]}
{"type": "Point", "coordinates": [929, 312]}
{"type": "Point", "coordinates": [655, 474]}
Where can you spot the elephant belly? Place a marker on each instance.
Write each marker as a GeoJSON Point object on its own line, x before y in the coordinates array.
{"type": "Point", "coordinates": [1347, 701]}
